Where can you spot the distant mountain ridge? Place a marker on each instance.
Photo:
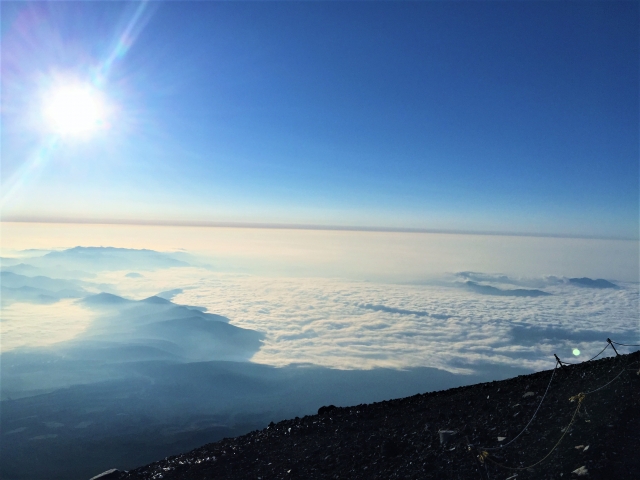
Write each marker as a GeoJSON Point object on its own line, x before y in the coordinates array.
{"type": "Point", "coordinates": [187, 333]}
{"type": "Point", "coordinates": [112, 258]}
{"type": "Point", "coordinates": [85, 262]}
{"type": "Point", "coordinates": [489, 290]}
{"type": "Point", "coordinates": [590, 283]}
{"type": "Point", "coordinates": [534, 282]}
{"type": "Point", "coordinates": [105, 299]}
{"type": "Point", "coordinates": [39, 289]}
{"type": "Point", "coordinates": [14, 280]}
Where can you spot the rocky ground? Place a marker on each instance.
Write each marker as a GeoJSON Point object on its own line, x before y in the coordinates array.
{"type": "Point", "coordinates": [596, 436]}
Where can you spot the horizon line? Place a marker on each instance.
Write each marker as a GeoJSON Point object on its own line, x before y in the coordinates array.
{"type": "Point", "coordinates": [301, 226]}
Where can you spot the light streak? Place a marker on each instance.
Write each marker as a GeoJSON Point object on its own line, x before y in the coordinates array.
{"type": "Point", "coordinates": [41, 156]}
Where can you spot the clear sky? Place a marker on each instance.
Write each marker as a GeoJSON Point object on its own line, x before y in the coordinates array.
{"type": "Point", "coordinates": [479, 116]}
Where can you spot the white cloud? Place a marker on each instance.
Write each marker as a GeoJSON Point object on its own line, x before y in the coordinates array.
{"type": "Point", "coordinates": [28, 324]}
{"type": "Point", "coordinates": [356, 325]}
{"type": "Point", "coordinates": [361, 325]}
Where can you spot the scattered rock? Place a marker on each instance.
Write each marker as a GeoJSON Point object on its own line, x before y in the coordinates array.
{"type": "Point", "coordinates": [446, 435]}
{"type": "Point", "coordinates": [581, 472]}
{"type": "Point", "coordinates": [528, 394]}
{"type": "Point", "coordinates": [390, 439]}
{"type": "Point", "coordinates": [389, 448]}
{"type": "Point", "coordinates": [326, 409]}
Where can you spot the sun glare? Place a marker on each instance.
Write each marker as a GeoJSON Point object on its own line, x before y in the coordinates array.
{"type": "Point", "coordinates": [74, 110]}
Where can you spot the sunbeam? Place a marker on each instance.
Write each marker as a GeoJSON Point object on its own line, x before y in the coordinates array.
{"type": "Point", "coordinates": [74, 103]}
{"type": "Point", "coordinates": [75, 109]}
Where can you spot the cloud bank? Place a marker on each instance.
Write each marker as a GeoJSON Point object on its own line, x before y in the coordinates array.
{"type": "Point", "coordinates": [457, 324]}
{"type": "Point", "coordinates": [366, 325]}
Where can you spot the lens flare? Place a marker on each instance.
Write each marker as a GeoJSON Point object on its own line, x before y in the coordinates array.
{"type": "Point", "coordinates": [576, 352]}
{"type": "Point", "coordinates": [74, 110]}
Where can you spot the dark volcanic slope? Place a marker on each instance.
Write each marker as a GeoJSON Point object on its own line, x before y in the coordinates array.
{"type": "Point", "coordinates": [400, 439]}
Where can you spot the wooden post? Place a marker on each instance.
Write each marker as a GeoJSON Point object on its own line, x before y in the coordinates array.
{"type": "Point", "coordinates": [558, 360]}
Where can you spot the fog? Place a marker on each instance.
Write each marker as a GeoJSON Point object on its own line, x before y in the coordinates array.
{"type": "Point", "coordinates": [207, 333]}
{"type": "Point", "coordinates": [357, 255]}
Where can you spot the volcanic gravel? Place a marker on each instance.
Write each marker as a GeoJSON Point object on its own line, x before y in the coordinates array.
{"type": "Point", "coordinates": [401, 438]}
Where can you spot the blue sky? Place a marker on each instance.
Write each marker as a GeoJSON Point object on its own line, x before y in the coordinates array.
{"type": "Point", "coordinates": [479, 116]}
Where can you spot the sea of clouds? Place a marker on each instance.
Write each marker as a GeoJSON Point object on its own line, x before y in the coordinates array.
{"type": "Point", "coordinates": [410, 313]}
{"type": "Point", "coordinates": [362, 325]}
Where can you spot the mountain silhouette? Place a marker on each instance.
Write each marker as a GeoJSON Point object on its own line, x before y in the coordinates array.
{"type": "Point", "coordinates": [489, 290]}
{"type": "Point", "coordinates": [590, 283]}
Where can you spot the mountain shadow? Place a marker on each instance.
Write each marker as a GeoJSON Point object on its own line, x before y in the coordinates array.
{"type": "Point", "coordinates": [152, 409]}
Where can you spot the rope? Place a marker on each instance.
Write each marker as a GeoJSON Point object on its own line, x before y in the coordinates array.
{"type": "Point", "coordinates": [534, 415]}
{"type": "Point", "coordinates": [544, 396]}
{"type": "Point", "coordinates": [484, 452]}
{"type": "Point", "coordinates": [484, 456]}
{"type": "Point", "coordinates": [625, 344]}
{"type": "Point", "coordinates": [601, 352]}
{"type": "Point", "coordinates": [608, 383]}
{"type": "Point", "coordinates": [605, 347]}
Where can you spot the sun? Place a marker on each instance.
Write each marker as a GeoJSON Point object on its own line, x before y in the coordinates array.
{"type": "Point", "coordinates": [74, 110]}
